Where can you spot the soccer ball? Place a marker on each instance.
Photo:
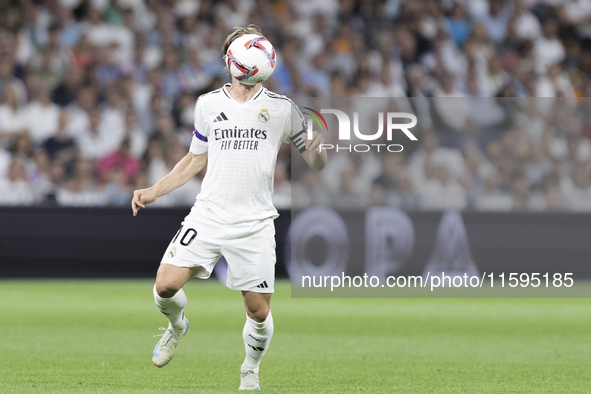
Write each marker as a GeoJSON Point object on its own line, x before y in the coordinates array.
{"type": "Point", "coordinates": [251, 59]}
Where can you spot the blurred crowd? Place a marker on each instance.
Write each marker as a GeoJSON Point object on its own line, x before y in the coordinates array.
{"type": "Point", "coordinates": [97, 96]}
{"type": "Point", "coordinates": [478, 153]}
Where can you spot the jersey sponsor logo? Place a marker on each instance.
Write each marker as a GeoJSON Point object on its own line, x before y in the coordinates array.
{"type": "Point", "coordinates": [239, 139]}
{"type": "Point", "coordinates": [264, 115]}
{"type": "Point", "coordinates": [239, 145]}
{"type": "Point", "coordinates": [237, 132]}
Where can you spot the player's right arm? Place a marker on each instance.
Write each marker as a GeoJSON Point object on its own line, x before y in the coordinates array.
{"type": "Point", "coordinates": [187, 168]}
{"type": "Point", "coordinates": [183, 171]}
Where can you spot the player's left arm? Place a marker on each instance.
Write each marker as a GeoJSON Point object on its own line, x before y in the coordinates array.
{"type": "Point", "coordinates": [314, 155]}
{"type": "Point", "coordinates": [296, 131]}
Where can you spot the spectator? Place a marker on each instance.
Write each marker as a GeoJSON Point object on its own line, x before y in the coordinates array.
{"type": "Point", "coordinates": [131, 71]}
{"type": "Point", "coordinates": [121, 159]}
{"type": "Point", "coordinates": [38, 174]}
{"type": "Point", "coordinates": [63, 54]}
{"type": "Point", "coordinates": [47, 67]}
{"type": "Point", "coordinates": [442, 192]}
{"type": "Point", "coordinates": [61, 144]}
{"type": "Point", "coordinates": [492, 199]}
{"type": "Point", "coordinates": [7, 79]}
{"type": "Point", "coordinates": [579, 198]}
{"type": "Point", "coordinates": [81, 190]}
{"type": "Point", "coordinates": [42, 115]}
{"type": "Point", "coordinates": [13, 120]}
{"type": "Point", "coordinates": [138, 140]}
{"type": "Point", "coordinates": [171, 83]}
{"type": "Point", "coordinates": [459, 24]}
{"type": "Point", "coordinates": [117, 190]}
{"type": "Point", "coordinates": [549, 50]}
{"type": "Point", "coordinates": [316, 75]}
{"type": "Point", "coordinates": [155, 162]}
{"type": "Point", "coordinates": [527, 26]}
{"type": "Point", "coordinates": [495, 21]}
{"type": "Point", "coordinates": [16, 189]}
{"type": "Point", "coordinates": [78, 119]}
{"type": "Point", "coordinates": [95, 142]}
{"type": "Point", "coordinates": [192, 72]}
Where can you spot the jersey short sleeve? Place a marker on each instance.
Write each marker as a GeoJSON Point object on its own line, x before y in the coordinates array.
{"type": "Point", "coordinates": [295, 128]}
{"type": "Point", "coordinates": [200, 132]}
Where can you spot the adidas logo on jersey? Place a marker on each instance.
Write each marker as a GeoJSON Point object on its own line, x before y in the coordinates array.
{"type": "Point", "coordinates": [221, 117]}
{"type": "Point", "coordinates": [263, 285]}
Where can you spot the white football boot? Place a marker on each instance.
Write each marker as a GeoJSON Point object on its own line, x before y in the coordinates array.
{"type": "Point", "coordinates": [249, 380]}
{"type": "Point", "coordinates": [164, 350]}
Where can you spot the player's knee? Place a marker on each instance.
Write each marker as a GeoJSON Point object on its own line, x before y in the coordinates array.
{"type": "Point", "coordinates": [258, 314]}
{"type": "Point", "coordinates": [166, 289]}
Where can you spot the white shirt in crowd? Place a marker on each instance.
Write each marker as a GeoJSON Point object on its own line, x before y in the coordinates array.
{"type": "Point", "coordinates": [42, 120]}
{"type": "Point", "coordinates": [5, 159]}
{"type": "Point", "coordinates": [82, 198]}
{"type": "Point", "coordinates": [435, 195]}
{"type": "Point", "coordinates": [95, 145]}
{"type": "Point", "coordinates": [548, 51]}
{"type": "Point", "coordinates": [527, 27]}
{"type": "Point", "coordinates": [77, 120]}
{"type": "Point", "coordinates": [494, 201]}
{"type": "Point", "coordinates": [11, 121]}
{"type": "Point", "coordinates": [16, 193]}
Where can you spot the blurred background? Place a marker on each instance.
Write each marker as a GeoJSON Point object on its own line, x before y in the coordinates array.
{"type": "Point", "coordinates": [97, 99]}
{"type": "Point", "coordinates": [97, 96]}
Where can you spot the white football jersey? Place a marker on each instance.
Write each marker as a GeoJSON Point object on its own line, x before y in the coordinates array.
{"type": "Point", "coordinates": [242, 141]}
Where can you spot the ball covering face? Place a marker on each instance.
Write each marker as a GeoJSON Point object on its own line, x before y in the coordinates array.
{"type": "Point", "coordinates": [251, 59]}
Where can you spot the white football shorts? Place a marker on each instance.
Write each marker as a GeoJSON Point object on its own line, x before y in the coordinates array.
{"type": "Point", "coordinates": [249, 249]}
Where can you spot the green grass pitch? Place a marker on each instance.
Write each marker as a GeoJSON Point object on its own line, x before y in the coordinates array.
{"type": "Point", "coordinates": [96, 337]}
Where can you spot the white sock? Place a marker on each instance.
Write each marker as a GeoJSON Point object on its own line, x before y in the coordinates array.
{"type": "Point", "coordinates": [257, 337]}
{"type": "Point", "coordinates": [172, 308]}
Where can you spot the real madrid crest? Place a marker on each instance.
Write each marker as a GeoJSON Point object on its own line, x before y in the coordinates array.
{"type": "Point", "coordinates": [264, 116]}
{"type": "Point", "coordinates": [172, 252]}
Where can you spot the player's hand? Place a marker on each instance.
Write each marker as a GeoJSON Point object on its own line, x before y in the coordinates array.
{"type": "Point", "coordinates": [315, 142]}
{"type": "Point", "coordinates": [141, 198]}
